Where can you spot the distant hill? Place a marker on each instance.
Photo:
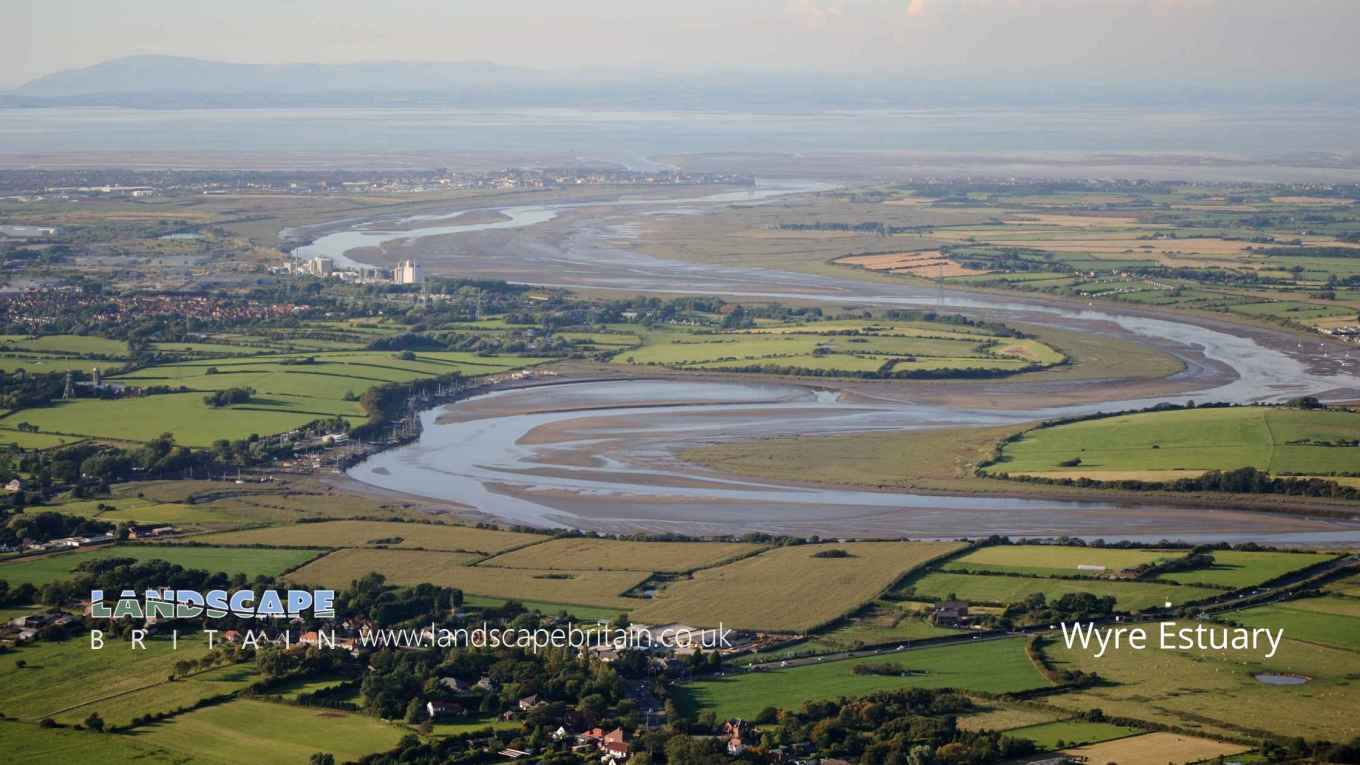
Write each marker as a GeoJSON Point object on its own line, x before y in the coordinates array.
{"type": "Point", "coordinates": [171, 81]}
{"type": "Point", "coordinates": [133, 75]}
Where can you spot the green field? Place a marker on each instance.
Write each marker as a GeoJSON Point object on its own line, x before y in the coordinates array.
{"type": "Point", "coordinates": [1053, 560]}
{"type": "Point", "coordinates": [123, 708]}
{"type": "Point", "coordinates": [192, 422]}
{"type": "Point", "coordinates": [580, 613]}
{"type": "Point", "coordinates": [266, 733]}
{"type": "Point", "coordinates": [1065, 733]}
{"type": "Point", "coordinates": [290, 390]}
{"type": "Point", "coordinates": [852, 347]}
{"type": "Point", "coordinates": [35, 441]}
{"type": "Point", "coordinates": [1329, 621]}
{"type": "Point", "coordinates": [472, 726]}
{"type": "Point", "coordinates": [880, 624]}
{"type": "Point", "coordinates": [1129, 596]}
{"type": "Point", "coordinates": [1274, 439]}
{"type": "Point", "coordinates": [1246, 569]}
{"type": "Point", "coordinates": [994, 666]}
{"type": "Point", "coordinates": [27, 744]}
{"type": "Point", "coordinates": [50, 568]}
{"type": "Point", "coordinates": [1232, 569]}
{"type": "Point", "coordinates": [80, 345]}
{"type": "Point", "coordinates": [60, 679]}
{"type": "Point", "coordinates": [1216, 692]}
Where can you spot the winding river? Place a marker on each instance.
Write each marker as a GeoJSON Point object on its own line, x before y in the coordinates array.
{"type": "Point", "coordinates": [601, 455]}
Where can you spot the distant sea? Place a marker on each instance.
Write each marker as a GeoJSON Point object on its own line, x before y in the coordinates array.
{"type": "Point", "coordinates": [636, 137]}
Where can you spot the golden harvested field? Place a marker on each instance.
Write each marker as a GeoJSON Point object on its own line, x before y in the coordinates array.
{"type": "Point", "coordinates": [1007, 718]}
{"type": "Point", "coordinates": [409, 567]}
{"type": "Point", "coordinates": [1155, 749]}
{"type": "Point", "coordinates": [926, 263]}
{"type": "Point", "coordinates": [1319, 201]}
{"type": "Point", "coordinates": [788, 589]}
{"type": "Point", "coordinates": [585, 554]}
{"type": "Point", "coordinates": [890, 260]}
{"type": "Point", "coordinates": [429, 536]}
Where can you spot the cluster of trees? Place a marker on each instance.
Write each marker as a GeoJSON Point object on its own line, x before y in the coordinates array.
{"type": "Point", "coordinates": [1197, 559]}
{"type": "Point", "coordinates": [874, 227]}
{"type": "Point", "coordinates": [49, 525]}
{"type": "Point", "coordinates": [20, 390]}
{"type": "Point", "coordinates": [407, 341]}
{"type": "Point", "coordinates": [387, 605]}
{"type": "Point", "coordinates": [915, 726]}
{"type": "Point", "coordinates": [115, 574]}
{"type": "Point", "coordinates": [1072, 606]}
{"type": "Point", "coordinates": [1246, 480]}
{"type": "Point", "coordinates": [1309, 252]}
{"type": "Point", "coordinates": [89, 469]}
{"type": "Point", "coordinates": [997, 328]}
{"type": "Point", "coordinates": [229, 396]}
{"type": "Point", "coordinates": [572, 690]}
{"type": "Point", "coordinates": [25, 594]}
{"type": "Point", "coordinates": [1300, 750]}
{"type": "Point", "coordinates": [884, 372]}
{"type": "Point", "coordinates": [1009, 259]}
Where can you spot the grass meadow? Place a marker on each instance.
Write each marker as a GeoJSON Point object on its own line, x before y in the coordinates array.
{"type": "Point", "coordinates": [68, 675]}
{"type": "Point", "coordinates": [1050, 560]}
{"type": "Point", "coordinates": [1217, 691]}
{"type": "Point", "coordinates": [1329, 621]}
{"type": "Point", "coordinates": [265, 733]}
{"type": "Point", "coordinates": [27, 744]}
{"type": "Point", "coordinates": [1236, 569]}
{"type": "Point", "coordinates": [1003, 590]}
{"type": "Point", "coordinates": [1274, 439]}
{"type": "Point", "coordinates": [993, 666]}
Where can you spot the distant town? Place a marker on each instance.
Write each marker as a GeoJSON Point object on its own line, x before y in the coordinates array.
{"type": "Point", "coordinates": [38, 185]}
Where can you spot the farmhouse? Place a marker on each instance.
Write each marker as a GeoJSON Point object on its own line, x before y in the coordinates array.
{"type": "Point", "coordinates": [614, 745]}
{"type": "Point", "coordinates": [951, 613]}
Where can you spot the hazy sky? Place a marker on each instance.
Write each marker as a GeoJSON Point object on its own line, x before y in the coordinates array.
{"type": "Point", "coordinates": [1132, 40]}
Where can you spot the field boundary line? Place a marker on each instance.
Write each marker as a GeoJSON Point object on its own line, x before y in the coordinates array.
{"type": "Point", "coordinates": [1270, 434]}
{"type": "Point", "coordinates": [547, 538]}
{"type": "Point", "coordinates": [129, 691]}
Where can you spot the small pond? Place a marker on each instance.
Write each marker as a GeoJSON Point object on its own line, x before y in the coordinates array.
{"type": "Point", "coordinates": [1271, 678]}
